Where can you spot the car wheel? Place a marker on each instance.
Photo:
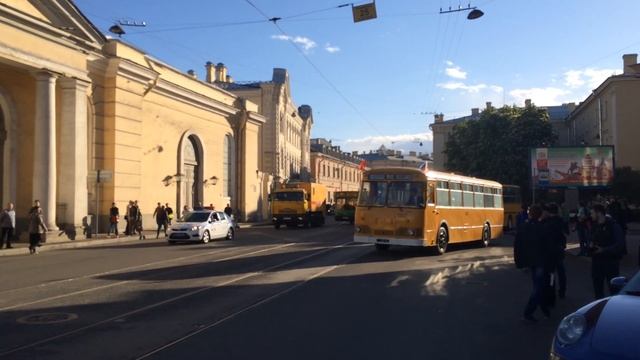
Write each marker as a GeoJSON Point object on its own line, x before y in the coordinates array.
{"type": "Point", "coordinates": [277, 226]}
{"type": "Point", "coordinates": [171, 242]}
{"type": "Point", "coordinates": [442, 241]}
{"type": "Point", "coordinates": [230, 234]}
{"type": "Point", "coordinates": [486, 235]}
{"type": "Point", "coordinates": [206, 237]}
{"type": "Point", "coordinates": [382, 247]}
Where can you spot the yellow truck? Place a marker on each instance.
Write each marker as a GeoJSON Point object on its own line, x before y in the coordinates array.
{"type": "Point", "coordinates": [299, 203]}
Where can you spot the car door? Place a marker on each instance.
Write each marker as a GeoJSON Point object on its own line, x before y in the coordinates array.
{"type": "Point", "coordinates": [223, 224]}
{"type": "Point", "coordinates": [213, 225]}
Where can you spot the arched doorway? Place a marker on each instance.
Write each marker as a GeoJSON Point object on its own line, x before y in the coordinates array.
{"type": "Point", "coordinates": [190, 168]}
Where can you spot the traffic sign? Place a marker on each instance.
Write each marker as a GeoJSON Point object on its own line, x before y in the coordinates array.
{"type": "Point", "coordinates": [364, 12]}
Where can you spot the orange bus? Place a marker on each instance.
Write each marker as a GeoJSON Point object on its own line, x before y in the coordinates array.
{"type": "Point", "coordinates": [412, 207]}
{"type": "Point", "coordinates": [512, 203]}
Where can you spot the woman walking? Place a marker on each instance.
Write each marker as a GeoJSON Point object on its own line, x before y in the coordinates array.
{"type": "Point", "coordinates": [36, 229]}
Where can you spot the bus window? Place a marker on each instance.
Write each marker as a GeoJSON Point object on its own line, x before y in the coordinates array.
{"type": "Point", "coordinates": [467, 195]}
{"type": "Point", "coordinates": [455, 194]}
{"type": "Point", "coordinates": [442, 193]}
{"type": "Point", "coordinates": [488, 197]}
{"type": "Point", "coordinates": [405, 194]}
{"type": "Point", "coordinates": [478, 196]}
{"type": "Point", "coordinates": [373, 193]}
{"type": "Point", "coordinates": [431, 194]}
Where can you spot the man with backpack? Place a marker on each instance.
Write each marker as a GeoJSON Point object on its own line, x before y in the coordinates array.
{"type": "Point", "coordinates": [608, 247]}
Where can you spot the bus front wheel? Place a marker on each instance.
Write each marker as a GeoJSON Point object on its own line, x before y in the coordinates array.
{"type": "Point", "coordinates": [442, 241]}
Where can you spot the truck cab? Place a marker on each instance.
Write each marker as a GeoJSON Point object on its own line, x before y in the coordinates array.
{"type": "Point", "coordinates": [298, 204]}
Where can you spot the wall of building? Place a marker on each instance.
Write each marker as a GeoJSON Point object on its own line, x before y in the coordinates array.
{"type": "Point", "coordinates": [335, 173]}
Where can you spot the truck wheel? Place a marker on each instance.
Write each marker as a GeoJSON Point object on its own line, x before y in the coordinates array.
{"type": "Point", "coordinates": [308, 224]}
{"type": "Point", "coordinates": [382, 247]}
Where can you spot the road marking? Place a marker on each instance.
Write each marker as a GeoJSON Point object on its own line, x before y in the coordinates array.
{"type": "Point", "coordinates": [129, 281]}
{"type": "Point", "coordinates": [170, 300]}
{"type": "Point", "coordinates": [248, 308]}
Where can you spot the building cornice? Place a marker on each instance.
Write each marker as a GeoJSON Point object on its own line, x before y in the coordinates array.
{"type": "Point", "coordinates": [193, 98]}
{"type": "Point", "coordinates": [29, 24]}
{"type": "Point", "coordinates": [601, 88]}
{"type": "Point", "coordinates": [36, 62]}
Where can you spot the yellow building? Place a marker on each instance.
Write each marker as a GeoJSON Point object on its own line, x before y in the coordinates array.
{"type": "Point", "coordinates": [337, 170]}
{"type": "Point", "coordinates": [609, 116]}
{"type": "Point", "coordinates": [73, 102]}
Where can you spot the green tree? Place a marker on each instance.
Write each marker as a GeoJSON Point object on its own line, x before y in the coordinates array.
{"type": "Point", "coordinates": [497, 145]}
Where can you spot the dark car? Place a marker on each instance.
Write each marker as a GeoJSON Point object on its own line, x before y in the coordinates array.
{"type": "Point", "coordinates": [605, 329]}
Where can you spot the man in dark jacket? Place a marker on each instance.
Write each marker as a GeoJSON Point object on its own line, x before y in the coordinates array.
{"type": "Point", "coordinates": [608, 247]}
{"type": "Point", "coordinates": [556, 231]}
{"type": "Point", "coordinates": [532, 250]}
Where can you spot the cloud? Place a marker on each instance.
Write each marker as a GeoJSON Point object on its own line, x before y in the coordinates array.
{"type": "Point", "coordinates": [403, 142]}
{"type": "Point", "coordinates": [306, 43]}
{"type": "Point", "coordinates": [457, 85]}
{"type": "Point", "coordinates": [331, 49]}
{"type": "Point", "coordinates": [455, 71]}
{"type": "Point", "coordinates": [540, 96]}
{"type": "Point", "coordinates": [592, 77]}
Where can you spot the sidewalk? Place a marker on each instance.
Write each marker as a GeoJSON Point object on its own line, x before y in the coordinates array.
{"type": "Point", "coordinates": [22, 248]}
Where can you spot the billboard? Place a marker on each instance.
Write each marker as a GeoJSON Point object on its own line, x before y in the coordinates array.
{"type": "Point", "coordinates": [586, 166]}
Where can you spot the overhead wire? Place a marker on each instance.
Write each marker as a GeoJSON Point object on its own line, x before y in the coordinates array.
{"type": "Point", "coordinates": [317, 70]}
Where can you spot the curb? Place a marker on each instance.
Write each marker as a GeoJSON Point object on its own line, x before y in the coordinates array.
{"type": "Point", "coordinates": [71, 244]}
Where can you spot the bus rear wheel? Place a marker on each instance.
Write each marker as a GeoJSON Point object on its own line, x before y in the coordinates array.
{"type": "Point", "coordinates": [382, 247]}
{"type": "Point", "coordinates": [486, 235]}
{"type": "Point", "coordinates": [442, 241]}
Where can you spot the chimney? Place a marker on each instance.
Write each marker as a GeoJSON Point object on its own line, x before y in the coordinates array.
{"type": "Point", "coordinates": [229, 79]}
{"type": "Point", "coordinates": [527, 103]}
{"type": "Point", "coordinates": [192, 74]}
{"type": "Point", "coordinates": [489, 105]}
{"type": "Point", "coordinates": [629, 60]}
{"type": "Point", "coordinates": [211, 76]}
{"type": "Point", "coordinates": [221, 72]}
{"type": "Point", "coordinates": [475, 111]}
{"type": "Point", "coordinates": [438, 118]}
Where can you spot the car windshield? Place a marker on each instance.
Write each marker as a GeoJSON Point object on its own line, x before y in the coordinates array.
{"type": "Point", "coordinates": [288, 196]}
{"type": "Point", "coordinates": [392, 194]}
{"type": "Point", "coordinates": [194, 217]}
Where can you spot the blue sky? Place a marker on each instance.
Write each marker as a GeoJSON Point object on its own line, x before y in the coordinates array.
{"type": "Point", "coordinates": [387, 76]}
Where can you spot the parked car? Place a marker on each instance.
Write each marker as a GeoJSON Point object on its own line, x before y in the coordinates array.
{"type": "Point", "coordinates": [604, 329]}
{"type": "Point", "coordinates": [202, 226]}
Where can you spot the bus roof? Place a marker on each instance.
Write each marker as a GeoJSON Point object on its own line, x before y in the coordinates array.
{"type": "Point", "coordinates": [436, 175]}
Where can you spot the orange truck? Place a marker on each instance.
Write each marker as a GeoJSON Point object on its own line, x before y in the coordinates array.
{"type": "Point", "coordinates": [299, 203]}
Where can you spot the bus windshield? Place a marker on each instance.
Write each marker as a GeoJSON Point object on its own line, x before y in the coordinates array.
{"type": "Point", "coordinates": [346, 202]}
{"type": "Point", "coordinates": [392, 194]}
{"type": "Point", "coordinates": [288, 196]}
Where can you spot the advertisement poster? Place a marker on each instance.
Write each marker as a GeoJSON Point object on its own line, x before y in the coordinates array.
{"type": "Point", "coordinates": [590, 166]}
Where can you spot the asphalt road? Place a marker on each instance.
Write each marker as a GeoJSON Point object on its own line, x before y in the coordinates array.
{"type": "Point", "coordinates": [287, 294]}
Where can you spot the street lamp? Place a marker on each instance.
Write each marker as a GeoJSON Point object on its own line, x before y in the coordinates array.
{"type": "Point", "coordinates": [474, 14]}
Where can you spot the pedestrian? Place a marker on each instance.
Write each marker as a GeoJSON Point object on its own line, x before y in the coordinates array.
{"type": "Point", "coordinates": [161, 220]}
{"type": "Point", "coordinates": [228, 210]}
{"type": "Point", "coordinates": [607, 248]}
{"type": "Point", "coordinates": [583, 227]}
{"type": "Point", "coordinates": [138, 223]}
{"type": "Point", "coordinates": [134, 214]}
{"type": "Point", "coordinates": [185, 209]}
{"type": "Point", "coordinates": [169, 212]}
{"type": "Point", "coordinates": [531, 250]}
{"type": "Point", "coordinates": [8, 225]}
{"type": "Point", "coordinates": [556, 231]}
{"type": "Point", "coordinates": [522, 216]}
{"type": "Point", "coordinates": [127, 230]}
{"type": "Point", "coordinates": [114, 217]}
{"type": "Point", "coordinates": [36, 229]}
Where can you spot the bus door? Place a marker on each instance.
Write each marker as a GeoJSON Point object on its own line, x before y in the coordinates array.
{"type": "Point", "coordinates": [430, 214]}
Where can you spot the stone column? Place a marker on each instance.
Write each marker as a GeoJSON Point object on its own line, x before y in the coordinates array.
{"type": "Point", "coordinates": [44, 155]}
{"type": "Point", "coordinates": [73, 152]}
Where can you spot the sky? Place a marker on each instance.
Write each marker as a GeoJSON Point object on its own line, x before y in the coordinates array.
{"type": "Point", "coordinates": [381, 81]}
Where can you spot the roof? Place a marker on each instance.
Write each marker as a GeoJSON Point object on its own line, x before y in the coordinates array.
{"type": "Point", "coordinates": [601, 87]}
{"type": "Point", "coordinates": [438, 175]}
